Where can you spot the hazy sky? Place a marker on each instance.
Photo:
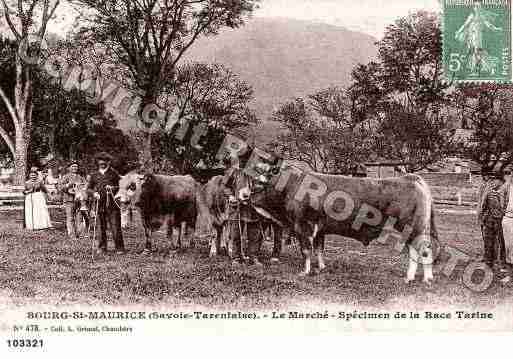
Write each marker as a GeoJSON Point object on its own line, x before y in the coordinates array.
{"type": "Point", "coordinates": [369, 16]}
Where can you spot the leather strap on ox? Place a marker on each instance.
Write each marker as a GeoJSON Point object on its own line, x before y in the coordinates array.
{"type": "Point", "coordinates": [267, 215]}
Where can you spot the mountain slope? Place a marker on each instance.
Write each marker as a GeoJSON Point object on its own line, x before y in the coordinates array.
{"type": "Point", "coordinates": [283, 58]}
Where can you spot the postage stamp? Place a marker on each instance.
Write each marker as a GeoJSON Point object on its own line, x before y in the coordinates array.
{"type": "Point", "coordinates": [477, 40]}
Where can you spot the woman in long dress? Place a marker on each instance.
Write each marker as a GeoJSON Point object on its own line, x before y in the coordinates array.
{"type": "Point", "coordinates": [36, 211]}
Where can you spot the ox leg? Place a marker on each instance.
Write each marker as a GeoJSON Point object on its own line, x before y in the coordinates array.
{"type": "Point", "coordinates": [179, 237]}
{"type": "Point", "coordinates": [277, 234]}
{"type": "Point", "coordinates": [227, 238]}
{"type": "Point", "coordinates": [189, 231]}
{"type": "Point", "coordinates": [426, 258]}
{"type": "Point", "coordinates": [306, 250]}
{"type": "Point", "coordinates": [413, 262]}
{"type": "Point", "coordinates": [148, 244]}
{"type": "Point", "coordinates": [254, 240]}
{"type": "Point", "coordinates": [130, 216]}
{"type": "Point", "coordinates": [420, 251]}
{"type": "Point", "coordinates": [307, 256]}
{"type": "Point", "coordinates": [170, 235]}
{"type": "Point", "coordinates": [85, 217]}
{"type": "Point", "coordinates": [215, 244]}
{"type": "Point", "coordinates": [319, 251]}
{"type": "Point", "coordinates": [428, 272]}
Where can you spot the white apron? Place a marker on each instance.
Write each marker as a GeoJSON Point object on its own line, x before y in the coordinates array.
{"type": "Point", "coordinates": [36, 212]}
{"type": "Point", "coordinates": [507, 227]}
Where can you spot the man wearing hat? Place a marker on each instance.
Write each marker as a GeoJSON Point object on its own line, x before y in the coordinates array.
{"type": "Point", "coordinates": [67, 187]}
{"type": "Point", "coordinates": [103, 184]}
{"type": "Point", "coordinates": [490, 213]}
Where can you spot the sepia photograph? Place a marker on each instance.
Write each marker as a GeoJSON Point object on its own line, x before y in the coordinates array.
{"type": "Point", "coordinates": [262, 166]}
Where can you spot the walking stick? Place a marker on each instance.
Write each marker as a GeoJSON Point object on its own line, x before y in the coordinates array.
{"type": "Point", "coordinates": [32, 210]}
{"type": "Point", "coordinates": [94, 229]}
{"type": "Point", "coordinates": [24, 211]}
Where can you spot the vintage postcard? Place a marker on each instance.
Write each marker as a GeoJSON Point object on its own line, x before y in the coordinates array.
{"type": "Point", "coordinates": [272, 167]}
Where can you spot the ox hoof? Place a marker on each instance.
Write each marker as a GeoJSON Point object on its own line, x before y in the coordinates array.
{"type": "Point", "coordinates": [408, 281]}
{"type": "Point", "coordinates": [175, 249]}
{"type": "Point", "coordinates": [275, 260]}
{"type": "Point", "coordinates": [212, 254]}
{"type": "Point", "coordinates": [236, 263]}
{"type": "Point", "coordinates": [428, 281]}
{"type": "Point", "coordinates": [304, 273]}
{"type": "Point", "coordinates": [257, 263]}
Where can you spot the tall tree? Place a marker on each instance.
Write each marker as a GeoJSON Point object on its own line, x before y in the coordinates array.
{"type": "Point", "coordinates": [65, 125]}
{"type": "Point", "coordinates": [150, 37]}
{"type": "Point", "coordinates": [403, 95]}
{"type": "Point", "coordinates": [209, 95]}
{"type": "Point", "coordinates": [487, 110]}
{"type": "Point", "coordinates": [24, 18]}
{"type": "Point", "coordinates": [321, 133]}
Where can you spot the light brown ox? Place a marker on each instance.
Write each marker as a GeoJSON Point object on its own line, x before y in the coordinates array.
{"type": "Point", "coordinates": [314, 205]}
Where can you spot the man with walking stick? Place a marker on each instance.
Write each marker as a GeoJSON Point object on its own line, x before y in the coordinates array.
{"type": "Point", "coordinates": [103, 185]}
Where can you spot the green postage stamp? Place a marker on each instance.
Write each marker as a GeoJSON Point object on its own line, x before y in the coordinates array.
{"type": "Point", "coordinates": [477, 40]}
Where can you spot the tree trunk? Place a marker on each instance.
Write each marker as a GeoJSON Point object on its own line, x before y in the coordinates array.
{"type": "Point", "coordinates": [145, 155]}
{"type": "Point", "coordinates": [23, 122]}
{"type": "Point", "coordinates": [20, 157]}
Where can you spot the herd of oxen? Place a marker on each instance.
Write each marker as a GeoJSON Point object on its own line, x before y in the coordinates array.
{"type": "Point", "coordinates": [306, 204]}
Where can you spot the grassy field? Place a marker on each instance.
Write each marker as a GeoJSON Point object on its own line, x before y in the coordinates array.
{"type": "Point", "coordinates": [47, 268]}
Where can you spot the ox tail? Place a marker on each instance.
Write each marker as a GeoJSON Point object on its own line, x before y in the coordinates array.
{"type": "Point", "coordinates": [424, 230]}
{"type": "Point", "coordinates": [424, 224]}
{"type": "Point", "coordinates": [434, 230]}
{"type": "Point", "coordinates": [204, 220]}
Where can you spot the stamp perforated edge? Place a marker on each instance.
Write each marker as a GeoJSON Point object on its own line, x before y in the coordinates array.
{"type": "Point", "coordinates": [476, 81]}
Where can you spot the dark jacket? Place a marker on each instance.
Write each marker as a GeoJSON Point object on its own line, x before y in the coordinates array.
{"type": "Point", "coordinates": [491, 203]}
{"type": "Point", "coordinates": [98, 183]}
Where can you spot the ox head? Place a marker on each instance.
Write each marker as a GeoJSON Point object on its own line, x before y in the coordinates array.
{"type": "Point", "coordinates": [82, 196]}
{"type": "Point", "coordinates": [244, 184]}
{"type": "Point", "coordinates": [130, 189]}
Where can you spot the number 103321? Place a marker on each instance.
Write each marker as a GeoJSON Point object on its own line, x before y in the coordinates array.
{"type": "Point", "coordinates": [25, 343]}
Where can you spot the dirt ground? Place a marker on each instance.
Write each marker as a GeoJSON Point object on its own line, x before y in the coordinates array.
{"type": "Point", "coordinates": [47, 268]}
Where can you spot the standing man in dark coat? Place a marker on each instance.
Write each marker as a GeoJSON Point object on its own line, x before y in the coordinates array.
{"type": "Point", "coordinates": [103, 184]}
{"type": "Point", "coordinates": [490, 213]}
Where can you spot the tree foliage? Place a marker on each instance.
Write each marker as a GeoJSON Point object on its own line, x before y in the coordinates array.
{"type": "Point", "coordinates": [403, 95]}
{"type": "Point", "coordinates": [487, 109]}
{"type": "Point", "coordinates": [320, 132]}
{"type": "Point", "coordinates": [207, 95]}
{"type": "Point", "coordinates": [23, 18]}
{"type": "Point", "coordinates": [65, 125]}
{"type": "Point", "coordinates": [148, 39]}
